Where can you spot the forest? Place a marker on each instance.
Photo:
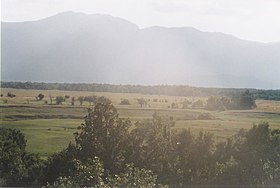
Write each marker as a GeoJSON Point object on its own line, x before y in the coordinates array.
{"type": "Point", "coordinates": [109, 151]}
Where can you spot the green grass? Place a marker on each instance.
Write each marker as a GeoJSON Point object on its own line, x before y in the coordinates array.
{"type": "Point", "coordinates": [45, 136]}
{"type": "Point", "coordinates": [49, 128]}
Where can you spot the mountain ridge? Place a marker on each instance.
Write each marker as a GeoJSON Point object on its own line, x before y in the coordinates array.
{"type": "Point", "coordinates": [105, 49]}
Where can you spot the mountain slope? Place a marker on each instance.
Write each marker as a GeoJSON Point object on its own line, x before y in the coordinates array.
{"type": "Point", "coordinates": [76, 47]}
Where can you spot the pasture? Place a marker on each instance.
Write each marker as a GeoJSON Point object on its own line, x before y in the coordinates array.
{"type": "Point", "coordinates": [49, 128]}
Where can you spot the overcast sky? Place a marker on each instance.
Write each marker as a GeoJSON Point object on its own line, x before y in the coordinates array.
{"type": "Point", "coordinates": [257, 20]}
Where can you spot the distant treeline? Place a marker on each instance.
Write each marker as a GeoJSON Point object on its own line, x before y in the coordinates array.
{"type": "Point", "coordinates": [174, 90]}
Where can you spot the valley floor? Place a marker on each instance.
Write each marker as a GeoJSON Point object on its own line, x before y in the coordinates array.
{"type": "Point", "coordinates": [49, 128]}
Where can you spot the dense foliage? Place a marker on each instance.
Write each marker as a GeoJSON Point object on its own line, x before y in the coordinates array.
{"type": "Point", "coordinates": [173, 90]}
{"type": "Point", "coordinates": [109, 151]}
{"type": "Point", "coordinates": [17, 167]}
{"type": "Point", "coordinates": [244, 101]}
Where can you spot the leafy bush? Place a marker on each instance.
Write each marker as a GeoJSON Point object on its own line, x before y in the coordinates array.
{"type": "Point", "coordinates": [198, 104]}
{"type": "Point", "coordinates": [125, 102]}
{"type": "Point", "coordinates": [11, 95]}
{"type": "Point", "coordinates": [18, 167]}
{"type": "Point", "coordinates": [186, 104]}
{"type": "Point", "coordinates": [90, 99]}
{"type": "Point", "coordinates": [40, 97]}
{"type": "Point", "coordinates": [205, 116]}
{"type": "Point", "coordinates": [81, 100]}
{"type": "Point", "coordinates": [59, 100]}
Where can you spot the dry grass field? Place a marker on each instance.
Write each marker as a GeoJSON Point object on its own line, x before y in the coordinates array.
{"type": "Point", "coordinates": [49, 128]}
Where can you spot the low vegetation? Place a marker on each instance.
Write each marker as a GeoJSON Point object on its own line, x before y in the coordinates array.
{"type": "Point", "coordinates": [125, 102]}
{"type": "Point", "coordinates": [244, 101]}
{"type": "Point", "coordinates": [111, 151]}
{"type": "Point", "coordinates": [154, 90]}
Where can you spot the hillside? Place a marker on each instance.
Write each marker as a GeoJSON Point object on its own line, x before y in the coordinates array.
{"type": "Point", "coordinates": [76, 47]}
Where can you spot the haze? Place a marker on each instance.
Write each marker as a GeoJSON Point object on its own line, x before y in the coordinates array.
{"type": "Point", "coordinates": [255, 20]}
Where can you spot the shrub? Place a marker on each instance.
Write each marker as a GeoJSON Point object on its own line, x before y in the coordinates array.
{"type": "Point", "coordinates": [198, 104]}
{"type": "Point", "coordinates": [81, 99]}
{"type": "Point", "coordinates": [59, 100]}
{"type": "Point", "coordinates": [205, 116]}
{"type": "Point", "coordinates": [40, 97]}
{"type": "Point", "coordinates": [125, 102]}
{"type": "Point", "coordinates": [174, 105]}
{"type": "Point", "coordinates": [186, 104]}
{"type": "Point", "coordinates": [11, 95]}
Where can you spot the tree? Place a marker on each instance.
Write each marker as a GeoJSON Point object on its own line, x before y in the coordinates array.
{"type": "Point", "coordinates": [59, 100]}
{"type": "Point", "coordinates": [73, 101]}
{"type": "Point", "coordinates": [193, 157]}
{"type": "Point", "coordinates": [81, 100]}
{"type": "Point", "coordinates": [11, 95]}
{"type": "Point", "coordinates": [104, 135]}
{"type": "Point", "coordinates": [99, 155]}
{"type": "Point", "coordinates": [40, 97]}
{"type": "Point", "coordinates": [174, 105]}
{"type": "Point", "coordinates": [90, 99]}
{"type": "Point", "coordinates": [18, 167]}
{"type": "Point", "coordinates": [142, 102]}
{"type": "Point", "coordinates": [50, 98]}
{"type": "Point", "coordinates": [92, 174]}
{"type": "Point", "coordinates": [250, 157]}
{"type": "Point", "coordinates": [247, 100]}
{"type": "Point", "coordinates": [215, 103]}
{"type": "Point", "coordinates": [186, 104]}
{"type": "Point", "coordinates": [151, 146]}
{"type": "Point", "coordinates": [198, 104]}
{"type": "Point", "coordinates": [125, 102]}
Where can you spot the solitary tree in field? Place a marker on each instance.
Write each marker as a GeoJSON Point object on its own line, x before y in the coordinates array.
{"type": "Point", "coordinates": [81, 100]}
{"type": "Point", "coordinates": [73, 101]}
{"type": "Point", "coordinates": [9, 94]}
{"type": "Point", "coordinates": [198, 104]}
{"type": "Point", "coordinates": [40, 97]}
{"type": "Point", "coordinates": [142, 102]}
{"type": "Point", "coordinates": [50, 98]}
{"type": "Point", "coordinates": [59, 99]}
{"type": "Point", "coordinates": [125, 102]}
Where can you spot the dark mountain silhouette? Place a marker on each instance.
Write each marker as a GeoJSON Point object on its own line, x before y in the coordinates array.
{"type": "Point", "coordinates": [76, 47]}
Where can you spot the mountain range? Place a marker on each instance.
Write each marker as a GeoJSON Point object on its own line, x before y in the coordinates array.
{"type": "Point", "coordinates": [95, 48]}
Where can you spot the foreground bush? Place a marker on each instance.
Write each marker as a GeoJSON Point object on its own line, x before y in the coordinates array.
{"type": "Point", "coordinates": [17, 167]}
{"type": "Point", "coordinates": [91, 174]}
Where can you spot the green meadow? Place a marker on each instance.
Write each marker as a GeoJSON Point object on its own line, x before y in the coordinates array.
{"type": "Point", "coordinates": [49, 127]}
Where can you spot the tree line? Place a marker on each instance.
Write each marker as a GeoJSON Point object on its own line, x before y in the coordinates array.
{"type": "Point", "coordinates": [109, 151]}
{"type": "Point", "coordinates": [173, 90]}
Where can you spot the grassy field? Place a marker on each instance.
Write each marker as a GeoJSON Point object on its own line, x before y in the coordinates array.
{"type": "Point", "coordinates": [49, 128]}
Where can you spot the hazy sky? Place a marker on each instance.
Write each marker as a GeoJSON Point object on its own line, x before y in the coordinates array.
{"type": "Point", "coordinates": [257, 20]}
